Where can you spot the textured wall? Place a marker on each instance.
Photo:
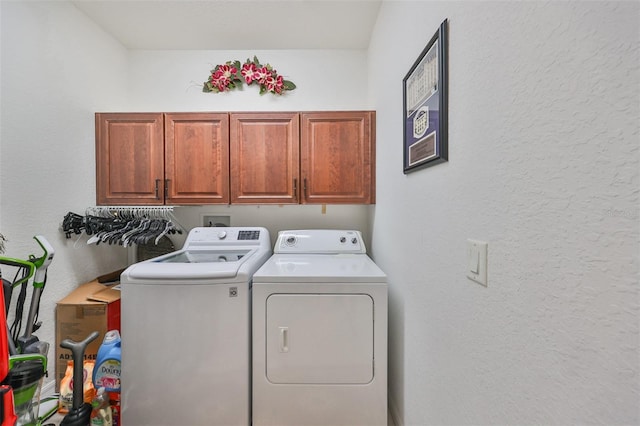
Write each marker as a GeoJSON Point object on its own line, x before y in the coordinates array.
{"type": "Point", "coordinates": [56, 65]}
{"type": "Point", "coordinates": [326, 80]}
{"type": "Point", "coordinates": [544, 162]}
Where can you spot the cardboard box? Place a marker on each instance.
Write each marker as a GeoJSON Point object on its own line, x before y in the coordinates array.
{"type": "Point", "coordinates": [92, 306]}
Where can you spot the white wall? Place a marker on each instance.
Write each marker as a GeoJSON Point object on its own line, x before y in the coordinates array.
{"type": "Point", "coordinates": [58, 68]}
{"type": "Point", "coordinates": [543, 164]}
{"type": "Point", "coordinates": [172, 80]}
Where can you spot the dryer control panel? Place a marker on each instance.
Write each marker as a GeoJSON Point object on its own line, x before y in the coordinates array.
{"type": "Point", "coordinates": [326, 241]}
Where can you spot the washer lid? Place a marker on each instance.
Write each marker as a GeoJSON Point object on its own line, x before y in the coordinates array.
{"type": "Point", "coordinates": [190, 264]}
{"type": "Point", "coordinates": [349, 268]}
{"type": "Point", "coordinates": [203, 256]}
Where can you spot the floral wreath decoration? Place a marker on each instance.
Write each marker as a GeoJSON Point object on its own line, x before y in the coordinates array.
{"type": "Point", "coordinates": [232, 75]}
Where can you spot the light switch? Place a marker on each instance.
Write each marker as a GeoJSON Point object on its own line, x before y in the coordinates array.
{"type": "Point", "coordinates": [474, 259]}
{"type": "Point", "coordinates": [477, 261]}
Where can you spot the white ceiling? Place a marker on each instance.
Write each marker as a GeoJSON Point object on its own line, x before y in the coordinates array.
{"type": "Point", "coordinates": [235, 24]}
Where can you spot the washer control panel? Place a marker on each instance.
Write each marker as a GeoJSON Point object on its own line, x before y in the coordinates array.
{"type": "Point", "coordinates": [329, 241]}
{"type": "Point", "coordinates": [227, 236]}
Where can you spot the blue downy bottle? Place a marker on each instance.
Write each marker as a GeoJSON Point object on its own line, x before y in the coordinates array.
{"type": "Point", "coordinates": [106, 372]}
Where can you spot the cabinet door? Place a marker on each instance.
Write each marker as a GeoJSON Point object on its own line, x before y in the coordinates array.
{"type": "Point", "coordinates": [129, 158]}
{"type": "Point", "coordinates": [264, 158]}
{"type": "Point", "coordinates": [197, 158]}
{"type": "Point", "coordinates": [337, 159]}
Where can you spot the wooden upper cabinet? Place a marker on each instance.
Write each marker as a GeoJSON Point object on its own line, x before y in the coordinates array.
{"type": "Point", "coordinates": [156, 158]}
{"type": "Point", "coordinates": [337, 157]}
{"type": "Point", "coordinates": [196, 158]}
{"type": "Point", "coordinates": [237, 158]}
{"type": "Point", "coordinates": [264, 158]}
{"type": "Point", "coordinates": [129, 158]}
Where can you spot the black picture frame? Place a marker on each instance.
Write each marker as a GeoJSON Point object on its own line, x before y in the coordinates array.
{"type": "Point", "coordinates": [425, 104]}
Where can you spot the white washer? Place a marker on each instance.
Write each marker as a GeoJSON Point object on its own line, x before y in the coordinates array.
{"type": "Point", "coordinates": [319, 333]}
{"type": "Point", "coordinates": [186, 331]}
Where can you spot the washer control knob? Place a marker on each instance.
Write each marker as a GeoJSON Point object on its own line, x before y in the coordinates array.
{"type": "Point", "coordinates": [222, 235]}
{"type": "Point", "coordinates": [354, 240]}
{"type": "Point", "coordinates": [343, 239]}
{"type": "Point", "coordinates": [291, 240]}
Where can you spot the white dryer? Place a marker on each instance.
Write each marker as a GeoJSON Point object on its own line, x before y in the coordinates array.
{"type": "Point", "coordinates": [319, 333]}
{"type": "Point", "coordinates": [186, 331]}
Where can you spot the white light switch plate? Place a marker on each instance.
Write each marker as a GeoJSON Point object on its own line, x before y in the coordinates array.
{"type": "Point", "coordinates": [477, 261]}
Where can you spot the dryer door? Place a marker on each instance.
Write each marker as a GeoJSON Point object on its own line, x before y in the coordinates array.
{"type": "Point", "coordinates": [319, 338]}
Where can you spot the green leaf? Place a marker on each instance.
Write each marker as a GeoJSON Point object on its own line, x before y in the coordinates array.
{"type": "Point", "coordinates": [288, 85]}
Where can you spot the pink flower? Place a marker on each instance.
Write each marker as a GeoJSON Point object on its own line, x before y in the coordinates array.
{"type": "Point", "coordinates": [227, 70]}
{"type": "Point", "coordinates": [274, 83]}
{"type": "Point", "coordinates": [249, 72]}
{"type": "Point", "coordinates": [262, 74]}
{"type": "Point", "coordinates": [270, 82]}
{"type": "Point", "coordinates": [279, 85]}
{"type": "Point", "coordinates": [220, 80]}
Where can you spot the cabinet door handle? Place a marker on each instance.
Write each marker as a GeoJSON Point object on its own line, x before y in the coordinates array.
{"type": "Point", "coordinates": [295, 189]}
{"type": "Point", "coordinates": [157, 189]}
{"type": "Point", "coordinates": [166, 188]}
{"type": "Point", "coordinates": [305, 188]}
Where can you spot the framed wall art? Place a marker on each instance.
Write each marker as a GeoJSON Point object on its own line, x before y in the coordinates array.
{"type": "Point", "coordinates": [424, 93]}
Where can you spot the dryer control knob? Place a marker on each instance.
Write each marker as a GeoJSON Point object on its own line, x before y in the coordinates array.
{"type": "Point", "coordinates": [343, 240]}
{"type": "Point", "coordinates": [354, 240]}
{"type": "Point", "coordinates": [222, 235]}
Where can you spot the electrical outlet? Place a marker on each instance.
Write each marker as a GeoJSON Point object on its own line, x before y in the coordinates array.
{"type": "Point", "coordinates": [213, 220]}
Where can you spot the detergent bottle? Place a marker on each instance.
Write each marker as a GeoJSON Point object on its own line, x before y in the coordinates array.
{"type": "Point", "coordinates": [106, 372]}
{"type": "Point", "coordinates": [100, 410]}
